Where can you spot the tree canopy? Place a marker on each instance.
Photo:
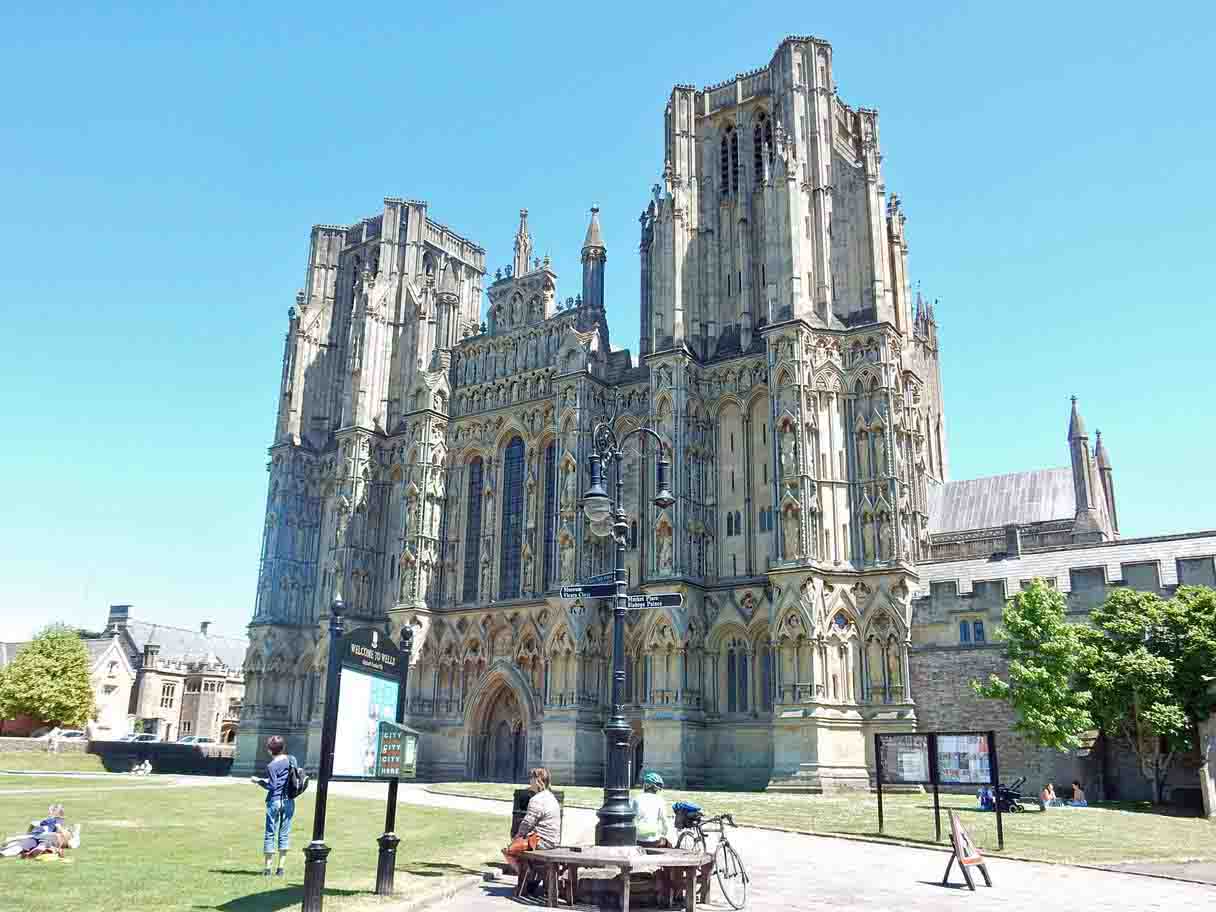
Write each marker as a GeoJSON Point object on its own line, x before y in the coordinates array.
{"type": "Point", "coordinates": [49, 680]}
{"type": "Point", "coordinates": [1138, 671]}
{"type": "Point", "coordinates": [1046, 659]}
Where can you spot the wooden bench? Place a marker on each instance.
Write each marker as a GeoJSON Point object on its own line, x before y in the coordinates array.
{"type": "Point", "coordinates": [567, 861]}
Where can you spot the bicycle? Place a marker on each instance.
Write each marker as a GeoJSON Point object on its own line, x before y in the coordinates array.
{"type": "Point", "coordinates": [726, 866]}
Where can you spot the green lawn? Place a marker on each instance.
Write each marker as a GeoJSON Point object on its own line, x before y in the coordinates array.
{"type": "Point", "coordinates": [1107, 834]}
{"type": "Point", "coordinates": [75, 783]}
{"type": "Point", "coordinates": [42, 761]}
{"type": "Point", "coordinates": [199, 848]}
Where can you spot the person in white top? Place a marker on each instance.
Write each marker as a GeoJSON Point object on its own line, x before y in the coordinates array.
{"type": "Point", "coordinates": [651, 817]}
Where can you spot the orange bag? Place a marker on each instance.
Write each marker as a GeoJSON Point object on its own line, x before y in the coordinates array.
{"type": "Point", "coordinates": [522, 844]}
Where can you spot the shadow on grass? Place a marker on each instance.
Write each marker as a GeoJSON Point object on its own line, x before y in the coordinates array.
{"type": "Point", "coordinates": [238, 872]}
{"type": "Point", "coordinates": [275, 900]}
{"type": "Point", "coordinates": [437, 869]}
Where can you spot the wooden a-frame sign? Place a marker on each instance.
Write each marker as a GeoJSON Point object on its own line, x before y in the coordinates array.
{"type": "Point", "coordinates": [966, 853]}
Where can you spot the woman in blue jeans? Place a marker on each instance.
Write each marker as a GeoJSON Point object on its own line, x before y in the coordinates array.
{"type": "Point", "coordinates": [279, 808]}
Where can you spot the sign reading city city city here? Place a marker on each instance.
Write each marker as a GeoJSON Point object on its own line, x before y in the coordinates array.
{"type": "Point", "coordinates": [655, 600]}
{"type": "Point", "coordinates": [396, 751]}
{"type": "Point", "coordinates": [368, 686]}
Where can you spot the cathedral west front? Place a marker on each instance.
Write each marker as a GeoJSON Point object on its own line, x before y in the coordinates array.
{"type": "Point", "coordinates": [431, 445]}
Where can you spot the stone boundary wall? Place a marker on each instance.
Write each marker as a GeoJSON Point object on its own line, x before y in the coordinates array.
{"type": "Point", "coordinates": [166, 757]}
{"type": "Point", "coordinates": [33, 745]}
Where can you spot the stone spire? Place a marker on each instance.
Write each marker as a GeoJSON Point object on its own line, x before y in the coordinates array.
{"type": "Point", "coordinates": [594, 239]}
{"type": "Point", "coordinates": [523, 245]}
{"type": "Point", "coordinates": [595, 255]}
{"type": "Point", "coordinates": [1088, 525]}
{"type": "Point", "coordinates": [1107, 476]}
{"type": "Point", "coordinates": [1076, 424]}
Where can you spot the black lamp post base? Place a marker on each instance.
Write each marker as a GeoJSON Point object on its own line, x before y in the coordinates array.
{"type": "Point", "coordinates": [386, 863]}
{"type": "Point", "coordinates": [315, 855]}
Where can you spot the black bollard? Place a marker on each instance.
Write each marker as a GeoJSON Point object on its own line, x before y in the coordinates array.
{"type": "Point", "coordinates": [386, 863]}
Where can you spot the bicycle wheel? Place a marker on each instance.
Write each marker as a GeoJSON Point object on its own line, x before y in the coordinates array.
{"type": "Point", "coordinates": [732, 878]}
{"type": "Point", "coordinates": [690, 841]}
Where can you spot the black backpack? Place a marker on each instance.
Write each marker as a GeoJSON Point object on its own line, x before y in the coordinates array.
{"type": "Point", "coordinates": [297, 779]}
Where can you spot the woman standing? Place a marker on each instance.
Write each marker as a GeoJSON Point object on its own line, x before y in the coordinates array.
{"type": "Point", "coordinates": [280, 808]}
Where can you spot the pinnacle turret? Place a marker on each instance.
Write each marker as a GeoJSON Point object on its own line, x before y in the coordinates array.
{"type": "Point", "coordinates": [1100, 452]}
{"type": "Point", "coordinates": [1076, 425]}
{"type": "Point", "coordinates": [594, 239]}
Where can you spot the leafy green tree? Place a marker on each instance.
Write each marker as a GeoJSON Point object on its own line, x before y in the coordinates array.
{"type": "Point", "coordinates": [1047, 657]}
{"type": "Point", "coordinates": [49, 680]}
{"type": "Point", "coordinates": [1149, 661]}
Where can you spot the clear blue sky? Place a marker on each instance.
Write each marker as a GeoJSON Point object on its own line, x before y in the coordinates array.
{"type": "Point", "coordinates": [161, 168]}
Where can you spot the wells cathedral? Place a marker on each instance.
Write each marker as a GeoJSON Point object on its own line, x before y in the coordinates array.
{"type": "Point", "coordinates": [431, 444]}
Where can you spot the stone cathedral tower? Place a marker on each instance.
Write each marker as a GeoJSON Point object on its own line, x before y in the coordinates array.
{"type": "Point", "coordinates": [427, 466]}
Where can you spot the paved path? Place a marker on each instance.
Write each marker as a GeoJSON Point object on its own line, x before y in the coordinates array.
{"type": "Point", "coordinates": [792, 871]}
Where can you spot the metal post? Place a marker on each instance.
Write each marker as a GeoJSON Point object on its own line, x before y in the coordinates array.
{"type": "Point", "coordinates": [616, 820]}
{"type": "Point", "coordinates": [933, 774]}
{"type": "Point", "coordinates": [878, 776]}
{"type": "Point", "coordinates": [316, 852]}
{"type": "Point", "coordinates": [996, 782]}
{"type": "Point", "coordinates": [386, 860]}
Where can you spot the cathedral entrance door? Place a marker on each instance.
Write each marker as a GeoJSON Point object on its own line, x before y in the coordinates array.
{"type": "Point", "coordinates": [504, 752]}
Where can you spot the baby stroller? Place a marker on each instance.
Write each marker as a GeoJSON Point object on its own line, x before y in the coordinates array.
{"type": "Point", "coordinates": [1008, 797]}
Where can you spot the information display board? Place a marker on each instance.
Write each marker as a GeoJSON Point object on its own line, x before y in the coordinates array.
{"type": "Point", "coordinates": [964, 759]}
{"type": "Point", "coordinates": [396, 752]}
{"type": "Point", "coordinates": [368, 687]}
{"type": "Point", "coordinates": [904, 759]}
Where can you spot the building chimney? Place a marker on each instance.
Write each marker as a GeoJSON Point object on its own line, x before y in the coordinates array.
{"type": "Point", "coordinates": [151, 651]}
{"type": "Point", "coordinates": [203, 627]}
{"type": "Point", "coordinates": [1013, 540]}
{"type": "Point", "coordinates": [118, 617]}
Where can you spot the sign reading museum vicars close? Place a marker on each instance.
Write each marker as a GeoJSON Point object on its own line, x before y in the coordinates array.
{"type": "Point", "coordinates": [367, 695]}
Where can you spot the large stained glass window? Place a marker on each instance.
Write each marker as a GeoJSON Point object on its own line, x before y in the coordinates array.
{"type": "Point", "coordinates": [512, 519]}
{"type": "Point", "coordinates": [472, 531]}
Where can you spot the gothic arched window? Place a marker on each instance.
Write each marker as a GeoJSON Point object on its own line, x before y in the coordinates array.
{"type": "Point", "coordinates": [725, 161]}
{"type": "Point", "coordinates": [730, 523]}
{"type": "Point", "coordinates": [758, 148]}
{"type": "Point", "coordinates": [550, 511]}
{"type": "Point", "coordinates": [734, 162]}
{"type": "Point", "coordinates": [512, 519]}
{"type": "Point", "coordinates": [738, 523]}
{"type": "Point", "coordinates": [472, 530]}
{"type": "Point", "coordinates": [633, 535]}
{"type": "Point", "coordinates": [736, 677]}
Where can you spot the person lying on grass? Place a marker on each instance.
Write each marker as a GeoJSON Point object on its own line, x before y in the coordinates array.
{"type": "Point", "coordinates": [49, 835]}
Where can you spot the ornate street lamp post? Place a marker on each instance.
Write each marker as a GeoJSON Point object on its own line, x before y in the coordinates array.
{"type": "Point", "coordinates": [607, 518]}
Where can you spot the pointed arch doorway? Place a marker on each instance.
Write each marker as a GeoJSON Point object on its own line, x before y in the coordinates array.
{"type": "Point", "coordinates": [498, 736]}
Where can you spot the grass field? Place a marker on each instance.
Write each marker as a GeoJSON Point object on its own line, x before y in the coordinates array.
{"type": "Point", "coordinates": [1107, 834]}
{"type": "Point", "coordinates": [42, 761]}
{"type": "Point", "coordinates": [198, 847]}
{"type": "Point", "coordinates": [77, 784]}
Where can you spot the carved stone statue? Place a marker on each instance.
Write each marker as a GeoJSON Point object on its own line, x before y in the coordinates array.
{"type": "Point", "coordinates": [788, 461]}
{"type": "Point", "coordinates": [567, 562]}
{"type": "Point", "coordinates": [888, 538]}
{"type": "Point", "coordinates": [526, 572]}
{"type": "Point", "coordinates": [665, 553]}
{"type": "Point", "coordinates": [880, 453]}
{"type": "Point", "coordinates": [867, 537]}
{"type": "Point", "coordinates": [343, 512]}
{"type": "Point", "coordinates": [790, 538]}
{"type": "Point", "coordinates": [569, 489]}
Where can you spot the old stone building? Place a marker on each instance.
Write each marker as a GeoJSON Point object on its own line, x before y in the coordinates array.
{"type": "Point", "coordinates": [427, 468]}
{"type": "Point", "coordinates": [187, 682]}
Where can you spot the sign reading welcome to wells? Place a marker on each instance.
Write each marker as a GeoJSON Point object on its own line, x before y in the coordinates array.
{"type": "Point", "coordinates": [367, 696]}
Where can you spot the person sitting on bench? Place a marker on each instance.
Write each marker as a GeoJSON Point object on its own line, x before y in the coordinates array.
{"type": "Point", "coordinates": [650, 814]}
{"type": "Point", "coordinates": [541, 826]}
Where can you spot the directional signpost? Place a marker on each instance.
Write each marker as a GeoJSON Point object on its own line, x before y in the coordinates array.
{"type": "Point", "coordinates": [654, 600]}
{"type": "Point", "coordinates": [642, 602]}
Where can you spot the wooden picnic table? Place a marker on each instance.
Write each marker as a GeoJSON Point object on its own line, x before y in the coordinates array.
{"type": "Point", "coordinates": [568, 860]}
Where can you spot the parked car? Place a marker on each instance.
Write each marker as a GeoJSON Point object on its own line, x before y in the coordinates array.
{"type": "Point", "coordinates": [142, 739]}
{"type": "Point", "coordinates": [196, 739]}
{"type": "Point", "coordinates": [72, 734]}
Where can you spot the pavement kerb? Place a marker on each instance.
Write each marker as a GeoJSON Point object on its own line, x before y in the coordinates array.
{"type": "Point", "coordinates": [853, 837]}
{"type": "Point", "coordinates": [439, 894]}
